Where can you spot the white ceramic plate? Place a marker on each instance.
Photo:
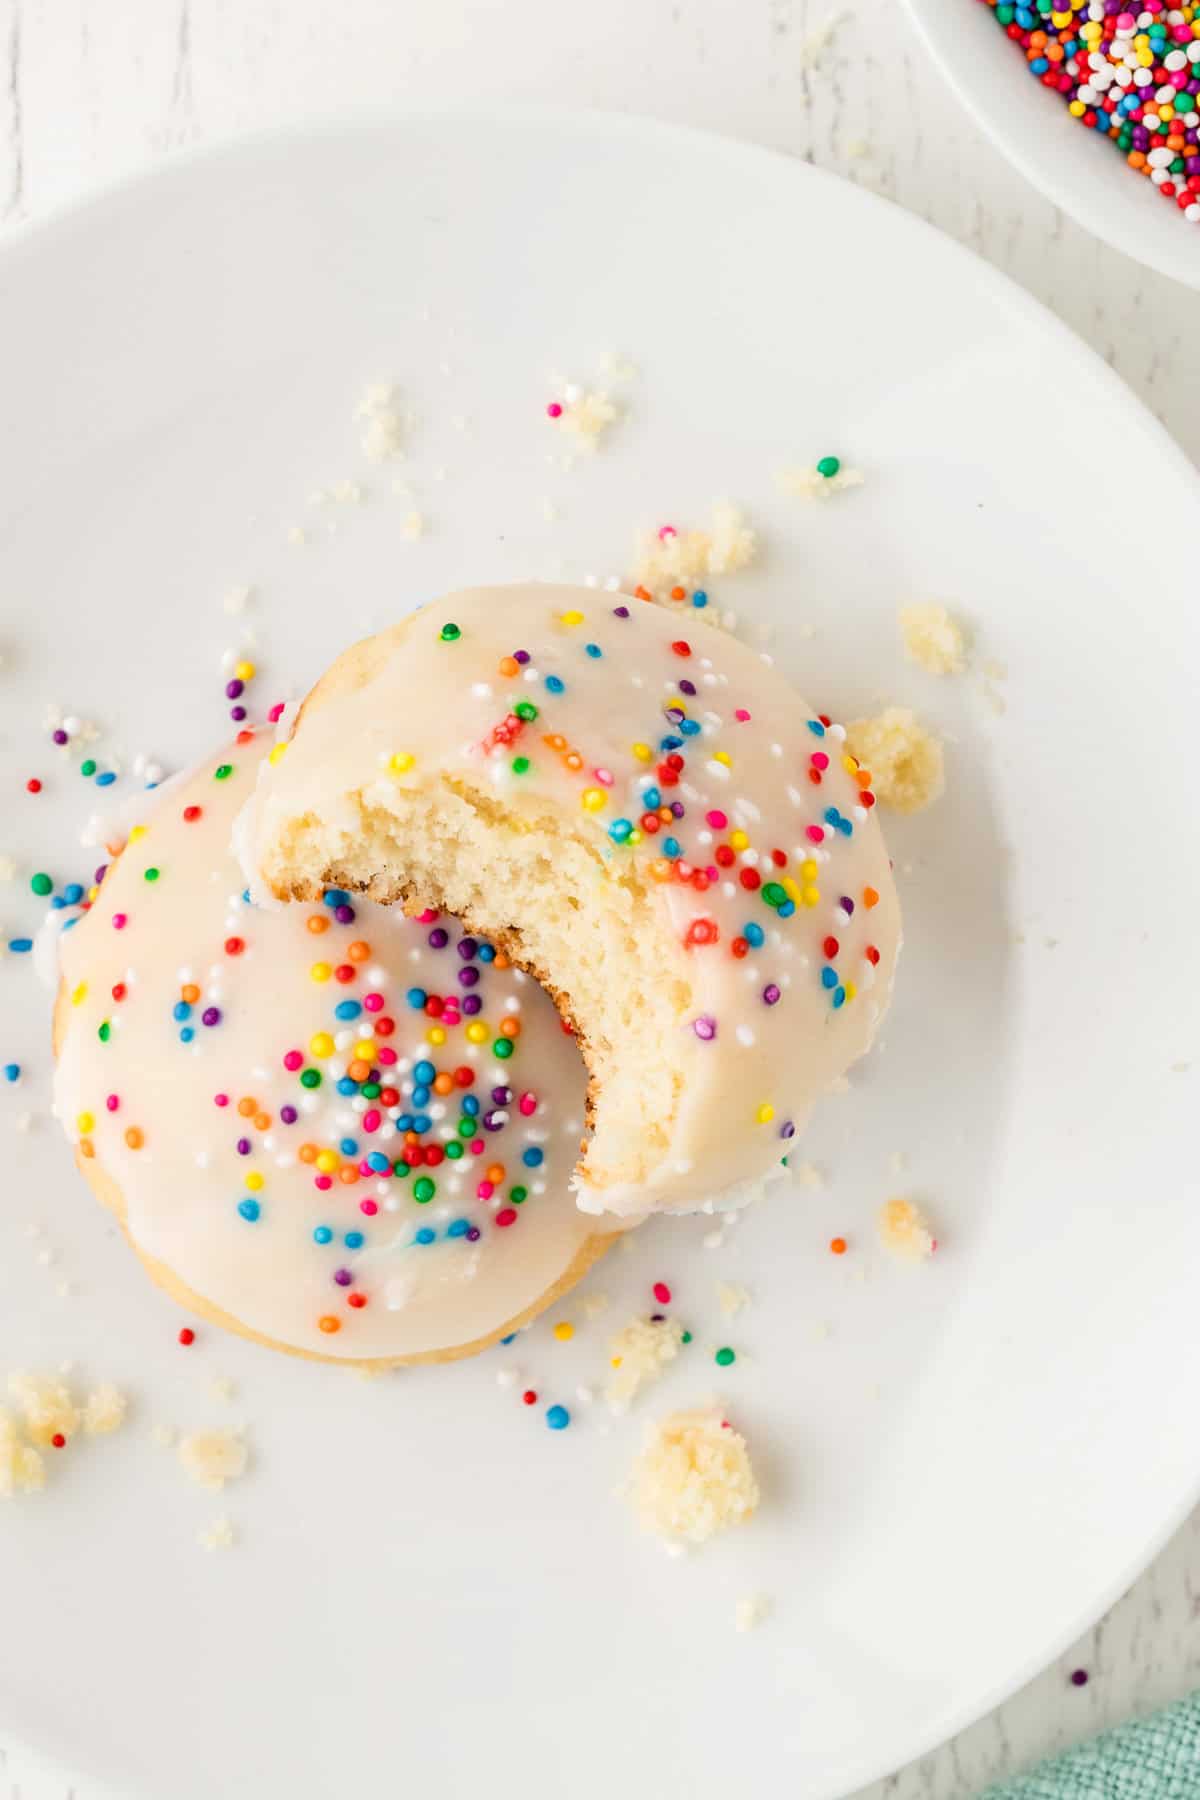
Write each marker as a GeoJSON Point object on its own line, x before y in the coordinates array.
{"type": "Point", "coordinates": [963, 1463]}
{"type": "Point", "coordinates": [1075, 168]}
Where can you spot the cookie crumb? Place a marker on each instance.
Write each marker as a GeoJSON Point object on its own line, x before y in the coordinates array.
{"type": "Point", "coordinates": [220, 1535]}
{"type": "Point", "coordinates": [731, 1297]}
{"type": "Point", "coordinates": [904, 1231]}
{"type": "Point", "coordinates": [639, 1354]}
{"type": "Point", "coordinates": [814, 484]}
{"type": "Point", "coordinates": [693, 1478]}
{"type": "Point", "coordinates": [22, 1470]}
{"type": "Point", "coordinates": [104, 1410]}
{"type": "Point", "coordinates": [933, 638]}
{"type": "Point", "coordinates": [378, 410]}
{"type": "Point", "coordinates": [213, 1457]}
{"type": "Point", "coordinates": [45, 1405]}
{"type": "Point", "coordinates": [751, 1611]}
{"type": "Point", "coordinates": [906, 762]}
{"type": "Point", "coordinates": [668, 555]}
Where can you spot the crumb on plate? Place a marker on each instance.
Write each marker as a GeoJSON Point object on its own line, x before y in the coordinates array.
{"type": "Point", "coordinates": [640, 1352]}
{"type": "Point", "coordinates": [668, 555]}
{"type": "Point", "coordinates": [693, 1477]}
{"type": "Point", "coordinates": [906, 762]}
{"type": "Point", "coordinates": [213, 1457]}
{"type": "Point", "coordinates": [933, 638]}
{"type": "Point", "coordinates": [904, 1230]}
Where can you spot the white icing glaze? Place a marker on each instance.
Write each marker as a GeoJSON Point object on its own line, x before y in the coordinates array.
{"type": "Point", "coordinates": [183, 1185]}
{"type": "Point", "coordinates": [769, 797]}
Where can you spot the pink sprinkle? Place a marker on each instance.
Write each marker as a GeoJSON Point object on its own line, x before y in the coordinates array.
{"type": "Point", "coordinates": [372, 1120]}
{"type": "Point", "coordinates": [293, 1060]}
{"type": "Point", "coordinates": [662, 1293]}
{"type": "Point", "coordinates": [814, 834]}
{"type": "Point", "coordinates": [220, 1099]}
{"type": "Point", "coordinates": [712, 873]}
{"type": "Point", "coordinates": [476, 1146]}
{"type": "Point", "coordinates": [717, 819]}
{"type": "Point", "coordinates": [665, 532]}
{"type": "Point", "coordinates": [485, 1190]}
{"type": "Point", "coordinates": [528, 1105]}
{"type": "Point", "coordinates": [324, 1182]}
{"type": "Point", "coordinates": [276, 713]}
{"type": "Point", "coordinates": [819, 760]}
{"type": "Point", "coordinates": [603, 776]}
{"type": "Point", "coordinates": [112, 1102]}
{"type": "Point", "coordinates": [364, 1167]}
{"type": "Point", "coordinates": [119, 921]}
{"type": "Point", "coordinates": [387, 1056]}
{"type": "Point", "coordinates": [370, 1207]}
{"type": "Point", "coordinates": [373, 1002]}
{"type": "Point", "coordinates": [741, 715]}
{"type": "Point", "coordinates": [427, 917]}
{"type": "Point", "coordinates": [554, 410]}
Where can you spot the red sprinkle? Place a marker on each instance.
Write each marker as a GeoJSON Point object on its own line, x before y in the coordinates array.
{"type": "Point", "coordinates": [681, 647]}
{"type": "Point", "coordinates": [58, 1440]}
{"type": "Point", "coordinates": [662, 1293]}
{"type": "Point", "coordinates": [234, 946]}
{"type": "Point", "coordinates": [529, 1397]}
{"type": "Point", "coordinates": [191, 813]}
{"type": "Point", "coordinates": [33, 785]}
{"type": "Point", "coordinates": [187, 1335]}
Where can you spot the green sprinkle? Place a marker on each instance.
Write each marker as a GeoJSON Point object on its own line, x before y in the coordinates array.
{"type": "Point", "coordinates": [502, 1048]}
{"type": "Point", "coordinates": [466, 1128]}
{"type": "Point", "coordinates": [773, 894]}
{"type": "Point", "coordinates": [310, 1078]}
{"type": "Point", "coordinates": [520, 765]}
{"type": "Point", "coordinates": [370, 1090]}
{"type": "Point", "coordinates": [517, 1194]}
{"type": "Point", "coordinates": [42, 884]}
{"type": "Point", "coordinates": [424, 1190]}
{"type": "Point", "coordinates": [223, 772]}
{"type": "Point", "coordinates": [104, 1032]}
{"type": "Point", "coordinates": [454, 1150]}
{"type": "Point", "coordinates": [724, 1357]}
{"type": "Point", "coordinates": [87, 766]}
{"type": "Point", "coordinates": [828, 467]}
{"type": "Point", "coordinates": [449, 633]}
{"type": "Point", "coordinates": [401, 1169]}
{"type": "Point", "coordinates": [686, 1338]}
{"type": "Point", "coordinates": [525, 709]}
{"type": "Point", "coordinates": [150, 874]}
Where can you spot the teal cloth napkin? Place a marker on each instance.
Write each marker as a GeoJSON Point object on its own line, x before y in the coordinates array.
{"type": "Point", "coordinates": [1153, 1759]}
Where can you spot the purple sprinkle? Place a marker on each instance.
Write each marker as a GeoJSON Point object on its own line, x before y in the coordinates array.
{"type": "Point", "coordinates": [787, 1129]}
{"type": "Point", "coordinates": [211, 1015]}
{"type": "Point", "coordinates": [495, 1121]}
{"type": "Point", "coordinates": [468, 977]}
{"type": "Point", "coordinates": [473, 1235]}
{"type": "Point", "coordinates": [471, 1004]}
{"type": "Point", "coordinates": [502, 1096]}
{"type": "Point", "coordinates": [705, 1027]}
{"type": "Point", "coordinates": [657, 1318]}
{"type": "Point", "coordinates": [521, 656]}
{"type": "Point", "coordinates": [771, 995]}
{"type": "Point", "coordinates": [343, 1277]}
{"type": "Point", "coordinates": [243, 1146]}
{"type": "Point", "coordinates": [438, 938]}
{"type": "Point", "coordinates": [234, 689]}
{"type": "Point", "coordinates": [344, 914]}
{"type": "Point", "coordinates": [288, 1115]}
{"type": "Point", "coordinates": [1079, 1677]}
{"type": "Point", "coordinates": [101, 872]}
{"type": "Point", "coordinates": [467, 947]}
{"type": "Point", "coordinates": [678, 809]}
{"type": "Point", "coordinates": [60, 737]}
{"type": "Point", "coordinates": [676, 714]}
{"type": "Point", "coordinates": [687, 687]}
{"type": "Point", "coordinates": [621, 612]}
{"type": "Point", "coordinates": [237, 713]}
{"type": "Point", "coordinates": [846, 904]}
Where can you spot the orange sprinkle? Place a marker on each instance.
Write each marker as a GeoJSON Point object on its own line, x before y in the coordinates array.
{"type": "Point", "coordinates": [661, 869]}
{"type": "Point", "coordinates": [86, 1147]}
{"type": "Point", "coordinates": [443, 1083]}
{"type": "Point", "coordinates": [189, 992]}
{"type": "Point", "coordinates": [307, 1153]}
{"type": "Point", "coordinates": [246, 1106]}
{"type": "Point", "coordinates": [494, 1173]}
{"type": "Point", "coordinates": [502, 961]}
{"type": "Point", "coordinates": [1136, 159]}
{"type": "Point", "coordinates": [358, 951]}
{"type": "Point", "coordinates": [870, 898]}
{"type": "Point", "coordinates": [510, 1027]}
{"type": "Point", "coordinates": [863, 778]}
{"type": "Point", "coordinates": [262, 1121]}
{"type": "Point", "coordinates": [678, 593]}
{"type": "Point", "coordinates": [348, 1174]}
{"type": "Point", "coordinates": [358, 1071]}
{"type": "Point", "coordinates": [838, 1246]}
{"type": "Point", "coordinates": [509, 665]}
{"type": "Point", "coordinates": [135, 1137]}
{"type": "Point", "coordinates": [327, 1322]}
{"type": "Point", "coordinates": [554, 741]}
{"type": "Point", "coordinates": [642, 593]}
{"type": "Point", "coordinates": [573, 759]}
{"type": "Point", "coordinates": [317, 922]}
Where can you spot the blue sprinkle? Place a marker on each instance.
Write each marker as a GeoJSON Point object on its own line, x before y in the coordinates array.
{"type": "Point", "coordinates": [378, 1163]}
{"type": "Point", "coordinates": [12, 1071]}
{"type": "Point", "coordinates": [249, 1210]}
{"type": "Point", "coordinates": [404, 1122]}
{"type": "Point", "coordinates": [555, 684]}
{"type": "Point", "coordinates": [829, 978]}
{"type": "Point", "coordinates": [354, 1240]}
{"type": "Point", "coordinates": [348, 1147]}
{"type": "Point", "coordinates": [470, 1105]}
{"type": "Point", "coordinates": [512, 1336]}
{"type": "Point", "coordinates": [700, 598]}
{"type": "Point", "coordinates": [421, 1096]}
{"type": "Point", "coordinates": [816, 727]}
{"type": "Point", "coordinates": [671, 743]}
{"type": "Point", "coordinates": [486, 953]}
{"type": "Point", "coordinates": [785, 909]}
{"type": "Point", "coordinates": [187, 1034]}
{"type": "Point", "coordinates": [105, 780]}
{"type": "Point", "coordinates": [533, 1157]}
{"type": "Point", "coordinates": [416, 998]}
{"type": "Point", "coordinates": [322, 1235]}
{"type": "Point", "coordinates": [620, 829]}
{"type": "Point", "coordinates": [67, 926]}
{"type": "Point", "coordinates": [839, 998]}
{"type": "Point", "coordinates": [422, 1123]}
{"type": "Point", "coordinates": [423, 1073]}
{"type": "Point", "coordinates": [689, 727]}
{"type": "Point", "coordinates": [57, 904]}
{"type": "Point", "coordinates": [347, 1009]}
{"type": "Point", "coordinates": [20, 945]}
{"type": "Point", "coordinates": [460, 1228]}
{"type": "Point", "coordinates": [346, 1086]}
{"type": "Point", "coordinates": [181, 1010]}
{"type": "Point", "coordinates": [72, 893]}
{"type": "Point", "coordinates": [754, 934]}
{"type": "Point", "coordinates": [651, 799]}
{"type": "Point", "coordinates": [558, 1418]}
{"type": "Point", "coordinates": [245, 891]}
{"type": "Point", "coordinates": [593, 650]}
{"type": "Point", "coordinates": [336, 897]}
{"type": "Point", "coordinates": [671, 847]}
{"type": "Point", "coordinates": [426, 1235]}
{"type": "Point", "coordinates": [832, 816]}
{"type": "Point", "coordinates": [845, 827]}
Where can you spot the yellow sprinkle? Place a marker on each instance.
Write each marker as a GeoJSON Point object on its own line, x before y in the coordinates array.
{"type": "Point", "coordinates": [791, 890]}
{"type": "Point", "coordinates": [92, 892]}
{"type": "Point", "coordinates": [811, 896]}
{"type": "Point", "coordinates": [327, 1161]}
{"type": "Point", "coordinates": [635, 836]}
{"type": "Point", "coordinates": [255, 1182]}
{"type": "Point", "coordinates": [436, 1034]}
{"type": "Point", "coordinates": [614, 1362]}
{"type": "Point", "coordinates": [321, 1044]}
{"type": "Point", "coordinates": [643, 752]}
{"type": "Point", "coordinates": [277, 753]}
{"type": "Point", "coordinates": [477, 1032]}
{"type": "Point", "coordinates": [86, 1122]}
{"type": "Point", "coordinates": [808, 869]}
{"type": "Point", "coordinates": [593, 799]}
{"type": "Point", "coordinates": [79, 994]}
{"type": "Point", "coordinates": [765, 1113]}
{"type": "Point", "coordinates": [136, 832]}
{"type": "Point", "coordinates": [572, 618]}
{"type": "Point", "coordinates": [738, 840]}
{"type": "Point", "coordinates": [849, 763]}
{"type": "Point", "coordinates": [851, 990]}
{"type": "Point", "coordinates": [320, 971]}
{"type": "Point", "coordinates": [564, 1331]}
{"type": "Point", "coordinates": [364, 1050]}
{"type": "Point", "coordinates": [401, 761]}
{"type": "Point", "coordinates": [723, 756]}
{"type": "Point", "coordinates": [245, 671]}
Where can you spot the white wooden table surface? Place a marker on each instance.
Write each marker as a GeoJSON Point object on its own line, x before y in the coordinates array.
{"type": "Point", "coordinates": [88, 92]}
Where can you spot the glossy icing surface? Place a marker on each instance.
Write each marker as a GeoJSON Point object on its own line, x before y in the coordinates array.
{"type": "Point", "coordinates": [351, 1130]}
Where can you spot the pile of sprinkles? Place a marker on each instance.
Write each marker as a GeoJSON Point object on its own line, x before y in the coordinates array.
{"type": "Point", "coordinates": [1132, 75]}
